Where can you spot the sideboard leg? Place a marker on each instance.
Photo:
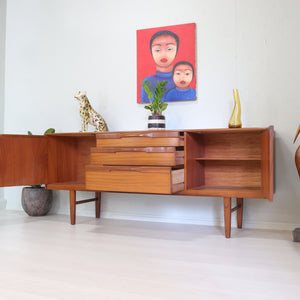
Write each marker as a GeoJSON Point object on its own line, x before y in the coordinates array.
{"type": "Point", "coordinates": [98, 204]}
{"type": "Point", "coordinates": [73, 207]}
{"type": "Point", "coordinates": [239, 214]}
{"type": "Point", "coordinates": [227, 216]}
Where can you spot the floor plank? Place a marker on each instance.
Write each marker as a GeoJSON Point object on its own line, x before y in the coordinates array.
{"type": "Point", "coordinates": [47, 258]}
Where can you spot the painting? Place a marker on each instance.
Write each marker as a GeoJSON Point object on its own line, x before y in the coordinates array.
{"type": "Point", "coordinates": [167, 53]}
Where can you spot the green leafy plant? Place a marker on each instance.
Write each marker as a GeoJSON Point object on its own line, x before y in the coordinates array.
{"type": "Point", "coordinates": [49, 130]}
{"type": "Point", "coordinates": [156, 106]}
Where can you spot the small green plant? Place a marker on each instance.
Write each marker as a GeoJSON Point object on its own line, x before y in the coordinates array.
{"type": "Point", "coordinates": [156, 106]}
{"type": "Point", "coordinates": [50, 130]}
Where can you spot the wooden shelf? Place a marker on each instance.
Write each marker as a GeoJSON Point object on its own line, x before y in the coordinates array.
{"type": "Point", "coordinates": [228, 158]}
{"type": "Point", "coordinates": [224, 191]}
{"type": "Point", "coordinates": [226, 188]}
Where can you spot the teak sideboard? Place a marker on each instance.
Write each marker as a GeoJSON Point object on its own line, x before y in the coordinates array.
{"type": "Point", "coordinates": [228, 163]}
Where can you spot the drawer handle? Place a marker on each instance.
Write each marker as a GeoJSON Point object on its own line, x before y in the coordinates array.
{"type": "Point", "coordinates": [125, 169]}
{"type": "Point", "coordinates": [135, 169]}
{"type": "Point", "coordinates": [167, 149]}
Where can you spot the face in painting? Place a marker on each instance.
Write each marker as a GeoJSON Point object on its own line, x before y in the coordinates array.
{"type": "Point", "coordinates": [164, 50]}
{"type": "Point", "coordinates": [183, 75]}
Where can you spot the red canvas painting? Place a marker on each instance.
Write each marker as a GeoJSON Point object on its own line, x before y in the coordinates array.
{"type": "Point", "coordinates": [167, 53]}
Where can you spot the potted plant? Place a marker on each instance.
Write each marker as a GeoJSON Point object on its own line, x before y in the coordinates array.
{"type": "Point", "coordinates": [156, 120]}
{"type": "Point", "coordinates": [36, 200]}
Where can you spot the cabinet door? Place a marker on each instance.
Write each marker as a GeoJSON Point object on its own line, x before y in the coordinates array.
{"type": "Point", "coordinates": [23, 160]}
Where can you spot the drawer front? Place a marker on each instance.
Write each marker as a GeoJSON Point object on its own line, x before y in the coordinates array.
{"type": "Point", "coordinates": [141, 142]}
{"type": "Point", "coordinates": [140, 139]}
{"type": "Point", "coordinates": [156, 156]}
{"type": "Point", "coordinates": [153, 180]}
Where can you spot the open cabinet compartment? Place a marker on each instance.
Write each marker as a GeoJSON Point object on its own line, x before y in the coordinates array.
{"type": "Point", "coordinates": [68, 156]}
{"type": "Point", "coordinates": [233, 162]}
{"type": "Point", "coordinates": [57, 160]}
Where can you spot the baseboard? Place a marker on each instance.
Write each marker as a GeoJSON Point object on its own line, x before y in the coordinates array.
{"type": "Point", "coordinates": [270, 225]}
{"type": "Point", "coordinates": [3, 204]}
{"type": "Point", "coordinates": [181, 220]}
{"type": "Point", "coordinates": [155, 218]}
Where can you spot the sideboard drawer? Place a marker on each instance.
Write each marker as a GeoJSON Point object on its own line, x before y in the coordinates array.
{"type": "Point", "coordinates": [142, 156]}
{"type": "Point", "coordinates": [140, 139]}
{"type": "Point", "coordinates": [153, 180]}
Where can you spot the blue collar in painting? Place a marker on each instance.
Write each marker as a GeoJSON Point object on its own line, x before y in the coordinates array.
{"type": "Point", "coordinates": [181, 90]}
{"type": "Point", "coordinates": [161, 74]}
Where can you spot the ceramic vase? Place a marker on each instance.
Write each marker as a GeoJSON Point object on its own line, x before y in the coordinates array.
{"type": "Point", "coordinates": [156, 122]}
{"type": "Point", "coordinates": [235, 119]}
{"type": "Point", "coordinates": [297, 154]}
{"type": "Point", "coordinates": [36, 201]}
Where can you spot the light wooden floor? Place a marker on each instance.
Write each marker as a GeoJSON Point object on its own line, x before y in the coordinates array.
{"type": "Point", "coordinates": [46, 258]}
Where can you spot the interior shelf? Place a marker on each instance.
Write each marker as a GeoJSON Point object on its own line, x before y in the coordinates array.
{"type": "Point", "coordinates": [229, 158]}
{"type": "Point", "coordinates": [226, 188]}
{"type": "Point", "coordinates": [225, 191]}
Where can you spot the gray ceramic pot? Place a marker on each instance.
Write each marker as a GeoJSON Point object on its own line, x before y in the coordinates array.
{"type": "Point", "coordinates": [36, 201]}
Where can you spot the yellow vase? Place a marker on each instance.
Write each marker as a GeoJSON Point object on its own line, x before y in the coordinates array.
{"type": "Point", "coordinates": [235, 119]}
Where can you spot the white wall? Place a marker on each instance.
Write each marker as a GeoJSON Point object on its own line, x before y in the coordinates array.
{"type": "Point", "coordinates": [57, 47]}
{"type": "Point", "coordinates": [2, 61]}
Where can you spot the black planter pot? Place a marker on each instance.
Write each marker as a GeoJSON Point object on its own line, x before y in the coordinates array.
{"type": "Point", "coordinates": [156, 122]}
{"type": "Point", "coordinates": [36, 201]}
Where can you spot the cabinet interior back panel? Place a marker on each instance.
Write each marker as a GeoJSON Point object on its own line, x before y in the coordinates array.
{"type": "Point", "coordinates": [232, 173]}
{"type": "Point", "coordinates": [232, 145]}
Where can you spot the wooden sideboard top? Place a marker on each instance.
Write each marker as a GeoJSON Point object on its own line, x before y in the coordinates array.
{"type": "Point", "coordinates": [167, 131]}
{"type": "Point", "coordinates": [160, 132]}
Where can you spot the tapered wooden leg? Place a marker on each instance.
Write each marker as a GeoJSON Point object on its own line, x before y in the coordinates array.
{"type": "Point", "coordinates": [227, 216]}
{"type": "Point", "coordinates": [98, 204]}
{"type": "Point", "coordinates": [73, 207]}
{"type": "Point", "coordinates": [239, 214]}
